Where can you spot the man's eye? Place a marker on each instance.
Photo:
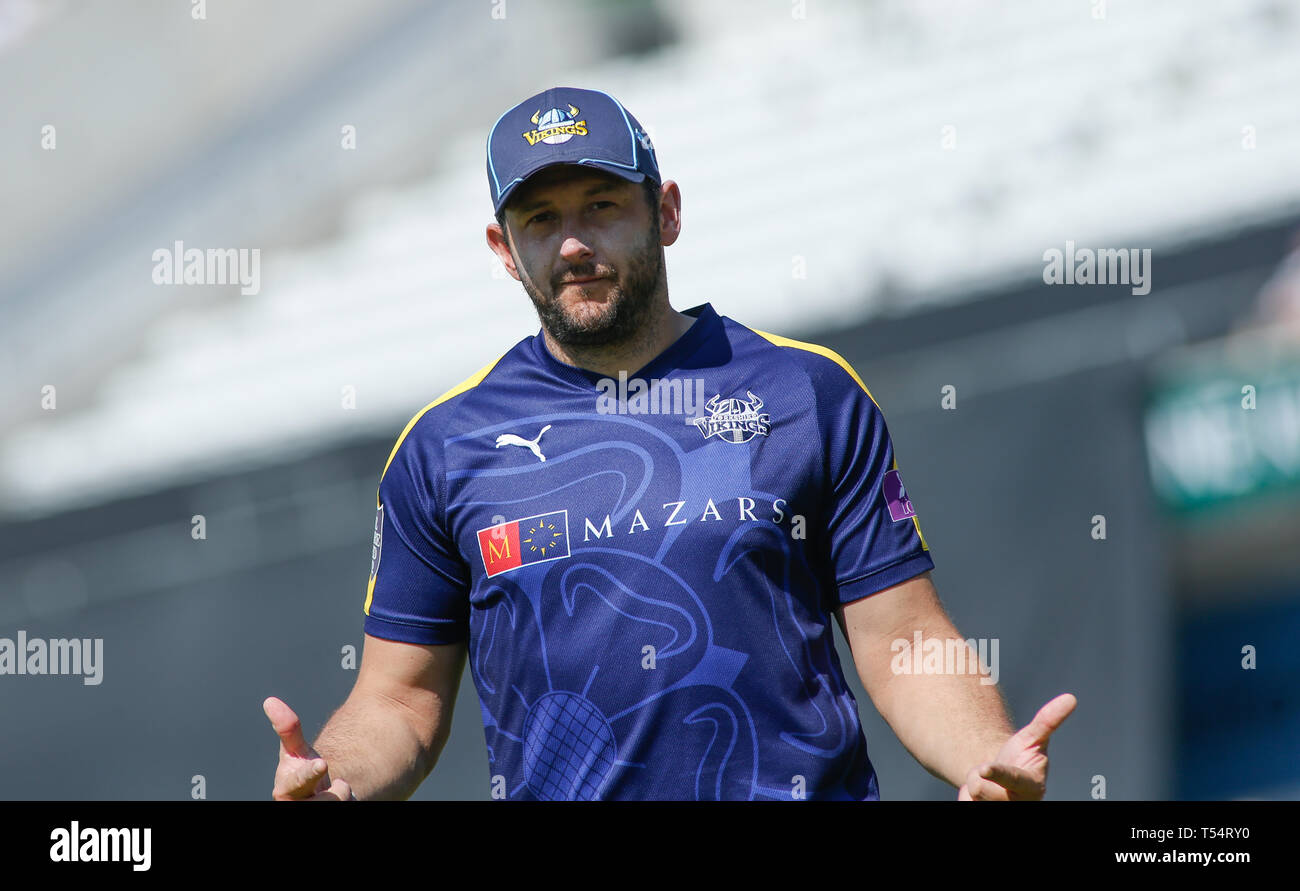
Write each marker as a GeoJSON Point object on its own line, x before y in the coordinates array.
{"type": "Point", "coordinates": [541, 217]}
{"type": "Point", "coordinates": [601, 205]}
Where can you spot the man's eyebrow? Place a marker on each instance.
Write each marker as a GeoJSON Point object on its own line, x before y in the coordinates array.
{"type": "Point", "coordinates": [606, 186]}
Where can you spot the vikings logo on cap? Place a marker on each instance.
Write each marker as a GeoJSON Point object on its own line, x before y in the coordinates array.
{"type": "Point", "coordinates": [566, 125]}
{"type": "Point", "coordinates": [555, 127]}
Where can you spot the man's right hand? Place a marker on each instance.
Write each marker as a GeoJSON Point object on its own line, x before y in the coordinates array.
{"type": "Point", "coordinates": [302, 774]}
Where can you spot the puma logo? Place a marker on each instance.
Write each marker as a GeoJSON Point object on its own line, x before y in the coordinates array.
{"type": "Point", "coordinates": [506, 439]}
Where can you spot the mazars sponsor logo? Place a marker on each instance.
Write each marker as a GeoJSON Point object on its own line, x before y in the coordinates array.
{"type": "Point", "coordinates": [514, 543]}
{"type": "Point", "coordinates": [681, 513]}
{"type": "Point", "coordinates": [78, 844]}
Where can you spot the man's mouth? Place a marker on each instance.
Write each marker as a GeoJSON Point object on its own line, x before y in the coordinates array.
{"type": "Point", "coordinates": [583, 281]}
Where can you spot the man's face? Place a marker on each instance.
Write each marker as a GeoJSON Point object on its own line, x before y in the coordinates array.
{"type": "Point", "coordinates": [587, 250]}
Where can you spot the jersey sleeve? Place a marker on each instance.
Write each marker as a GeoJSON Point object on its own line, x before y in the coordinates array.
{"type": "Point", "coordinates": [874, 533]}
{"type": "Point", "coordinates": [419, 585]}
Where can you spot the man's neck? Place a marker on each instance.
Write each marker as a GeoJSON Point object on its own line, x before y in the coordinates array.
{"type": "Point", "coordinates": [631, 355]}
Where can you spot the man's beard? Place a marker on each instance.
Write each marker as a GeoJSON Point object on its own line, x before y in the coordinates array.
{"type": "Point", "coordinates": [625, 309]}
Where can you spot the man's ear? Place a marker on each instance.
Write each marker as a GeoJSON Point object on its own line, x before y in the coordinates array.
{"type": "Point", "coordinates": [670, 212]}
{"type": "Point", "coordinates": [496, 239]}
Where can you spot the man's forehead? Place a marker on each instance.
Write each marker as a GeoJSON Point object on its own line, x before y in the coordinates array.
{"type": "Point", "coordinates": [542, 184]}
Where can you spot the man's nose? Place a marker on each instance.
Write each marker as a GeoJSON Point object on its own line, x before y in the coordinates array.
{"type": "Point", "coordinates": [574, 250]}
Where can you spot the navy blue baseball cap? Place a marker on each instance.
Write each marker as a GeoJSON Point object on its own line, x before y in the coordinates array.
{"type": "Point", "coordinates": [566, 125]}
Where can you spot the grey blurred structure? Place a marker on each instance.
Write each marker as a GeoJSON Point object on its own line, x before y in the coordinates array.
{"type": "Point", "coordinates": [880, 178]}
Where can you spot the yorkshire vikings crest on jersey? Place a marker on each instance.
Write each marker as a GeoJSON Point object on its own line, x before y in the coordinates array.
{"type": "Point", "coordinates": [734, 420]}
{"type": "Point", "coordinates": [646, 599]}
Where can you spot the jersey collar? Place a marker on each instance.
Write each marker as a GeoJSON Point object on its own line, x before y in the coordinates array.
{"type": "Point", "coordinates": [707, 324]}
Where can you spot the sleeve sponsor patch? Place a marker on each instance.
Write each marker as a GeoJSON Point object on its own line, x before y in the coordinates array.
{"type": "Point", "coordinates": [900, 505]}
{"type": "Point", "coordinates": [377, 543]}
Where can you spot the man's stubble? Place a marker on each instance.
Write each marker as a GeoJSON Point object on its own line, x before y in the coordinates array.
{"type": "Point", "coordinates": [628, 306]}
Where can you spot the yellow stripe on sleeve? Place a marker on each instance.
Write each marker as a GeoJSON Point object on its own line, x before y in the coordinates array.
{"type": "Point", "coordinates": [819, 350]}
{"type": "Point", "coordinates": [843, 363]}
{"type": "Point", "coordinates": [468, 384]}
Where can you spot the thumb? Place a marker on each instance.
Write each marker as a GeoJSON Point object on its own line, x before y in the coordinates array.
{"type": "Point", "coordinates": [287, 727]}
{"type": "Point", "coordinates": [1049, 718]}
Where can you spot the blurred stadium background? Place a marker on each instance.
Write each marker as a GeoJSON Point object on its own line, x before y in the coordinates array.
{"type": "Point", "coordinates": [882, 177]}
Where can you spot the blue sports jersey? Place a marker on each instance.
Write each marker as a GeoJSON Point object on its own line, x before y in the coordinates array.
{"type": "Point", "coordinates": [644, 567]}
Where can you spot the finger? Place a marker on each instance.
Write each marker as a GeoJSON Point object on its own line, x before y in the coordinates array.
{"type": "Point", "coordinates": [287, 727]}
{"type": "Point", "coordinates": [298, 778]}
{"type": "Point", "coordinates": [1050, 717]}
{"type": "Point", "coordinates": [982, 789]}
{"type": "Point", "coordinates": [1018, 783]}
{"type": "Point", "coordinates": [963, 794]}
{"type": "Point", "coordinates": [339, 790]}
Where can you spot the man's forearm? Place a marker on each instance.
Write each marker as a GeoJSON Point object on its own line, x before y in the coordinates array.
{"type": "Point", "coordinates": [370, 743]}
{"type": "Point", "coordinates": [949, 722]}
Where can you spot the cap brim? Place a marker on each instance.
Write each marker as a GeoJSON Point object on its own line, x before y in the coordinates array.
{"type": "Point", "coordinates": [632, 176]}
